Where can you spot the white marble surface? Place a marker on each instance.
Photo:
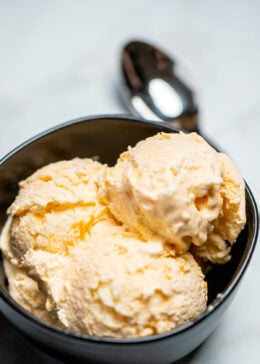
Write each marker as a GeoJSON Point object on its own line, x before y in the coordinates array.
{"type": "Point", "coordinates": [59, 60]}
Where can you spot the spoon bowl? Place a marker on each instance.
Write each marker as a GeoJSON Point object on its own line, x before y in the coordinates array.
{"type": "Point", "coordinates": [152, 89]}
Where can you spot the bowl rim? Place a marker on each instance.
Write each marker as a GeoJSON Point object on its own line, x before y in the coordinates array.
{"type": "Point", "coordinates": [212, 307]}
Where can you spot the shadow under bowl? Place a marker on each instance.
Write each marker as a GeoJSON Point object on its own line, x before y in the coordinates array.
{"type": "Point", "coordinates": [106, 137]}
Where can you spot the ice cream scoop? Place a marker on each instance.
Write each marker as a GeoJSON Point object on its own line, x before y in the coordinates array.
{"type": "Point", "coordinates": [56, 207]}
{"type": "Point", "coordinates": [116, 285]}
{"type": "Point", "coordinates": [181, 189]}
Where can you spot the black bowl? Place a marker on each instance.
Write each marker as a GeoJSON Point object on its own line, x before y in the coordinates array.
{"type": "Point", "coordinates": [107, 137]}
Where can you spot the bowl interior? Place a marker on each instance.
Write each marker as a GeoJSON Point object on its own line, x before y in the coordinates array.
{"type": "Point", "coordinates": [105, 138]}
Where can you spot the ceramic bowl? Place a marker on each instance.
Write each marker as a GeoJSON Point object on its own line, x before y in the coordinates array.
{"type": "Point", "coordinates": [107, 137]}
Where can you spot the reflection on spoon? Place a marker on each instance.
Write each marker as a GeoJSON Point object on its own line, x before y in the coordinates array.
{"type": "Point", "coordinates": [169, 101]}
{"type": "Point", "coordinates": [151, 88]}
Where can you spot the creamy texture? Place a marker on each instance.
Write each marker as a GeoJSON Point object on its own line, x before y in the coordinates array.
{"type": "Point", "coordinates": [56, 207]}
{"type": "Point", "coordinates": [25, 291]}
{"type": "Point", "coordinates": [110, 251]}
{"type": "Point", "coordinates": [54, 210]}
{"type": "Point", "coordinates": [231, 219]}
{"type": "Point", "coordinates": [119, 286]}
{"type": "Point", "coordinates": [172, 185]}
{"type": "Point", "coordinates": [22, 288]}
{"type": "Point", "coordinates": [181, 189]}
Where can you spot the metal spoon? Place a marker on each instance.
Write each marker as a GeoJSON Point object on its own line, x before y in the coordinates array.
{"type": "Point", "coordinates": [152, 89]}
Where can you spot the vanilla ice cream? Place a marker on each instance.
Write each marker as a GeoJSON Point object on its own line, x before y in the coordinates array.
{"type": "Point", "coordinates": [56, 207]}
{"type": "Point", "coordinates": [112, 251]}
{"type": "Point", "coordinates": [181, 189]}
{"type": "Point", "coordinates": [22, 288]}
{"type": "Point", "coordinates": [117, 285]}
{"type": "Point", "coordinates": [231, 219]}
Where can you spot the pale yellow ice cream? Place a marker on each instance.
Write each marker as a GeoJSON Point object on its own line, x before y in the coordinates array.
{"type": "Point", "coordinates": [70, 261]}
{"type": "Point", "coordinates": [56, 207]}
{"type": "Point", "coordinates": [22, 288]}
{"type": "Point", "coordinates": [54, 210]}
{"type": "Point", "coordinates": [25, 291]}
{"type": "Point", "coordinates": [119, 286]}
{"type": "Point", "coordinates": [231, 219]}
{"type": "Point", "coordinates": [178, 187]}
{"type": "Point", "coordinates": [110, 251]}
